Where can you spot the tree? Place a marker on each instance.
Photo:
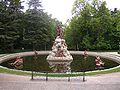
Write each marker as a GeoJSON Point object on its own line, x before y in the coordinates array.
{"type": "Point", "coordinates": [33, 29]}
{"type": "Point", "coordinates": [93, 25]}
{"type": "Point", "coordinates": [9, 26]}
{"type": "Point", "coordinates": [34, 4]}
{"type": "Point", "coordinates": [39, 29]}
{"type": "Point", "coordinates": [79, 24]}
{"type": "Point", "coordinates": [115, 33]}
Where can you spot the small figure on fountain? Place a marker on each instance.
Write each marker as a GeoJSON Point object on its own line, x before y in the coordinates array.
{"type": "Point", "coordinates": [85, 54]}
{"type": "Point", "coordinates": [99, 63]}
{"type": "Point", "coordinates": [18, 64]}
{"type": "Point", "coordinates": [59, 32]}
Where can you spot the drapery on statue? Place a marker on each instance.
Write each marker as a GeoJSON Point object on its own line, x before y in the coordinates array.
{"type": "Point", "coordinates": [59, 31]}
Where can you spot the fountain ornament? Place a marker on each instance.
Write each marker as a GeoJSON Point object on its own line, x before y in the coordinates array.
{"type": "Point", "coordinates": [59, 58]}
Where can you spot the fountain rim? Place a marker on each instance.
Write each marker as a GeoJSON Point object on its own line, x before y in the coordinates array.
{"type": "Point", "coordinates": [106, 55]}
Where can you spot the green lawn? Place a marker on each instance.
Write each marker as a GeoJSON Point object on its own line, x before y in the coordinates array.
{"type": "Point", "coordinates": [17, 72]}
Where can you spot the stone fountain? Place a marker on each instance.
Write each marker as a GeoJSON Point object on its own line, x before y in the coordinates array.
{"type": "Point", "coordinates": [59, 58]}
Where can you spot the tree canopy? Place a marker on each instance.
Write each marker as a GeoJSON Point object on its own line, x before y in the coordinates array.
{"type": "Point", "coordinates": [32, 29]}
{"type": "Point", "coordinates": [93, 26]}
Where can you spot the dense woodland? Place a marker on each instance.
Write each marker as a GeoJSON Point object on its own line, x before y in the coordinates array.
{"type": "Point", "coordinates": [93, 26]}
{"type": "Point", "coordinates": [32, 29]}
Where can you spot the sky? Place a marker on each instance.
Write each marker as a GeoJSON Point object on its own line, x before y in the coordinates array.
{"type": "Point", "coordinates": [61, 9]}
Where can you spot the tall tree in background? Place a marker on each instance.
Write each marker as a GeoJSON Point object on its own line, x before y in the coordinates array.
{"type": "Point", "coordinates": [34, 4]}
{"type": "Point", "coordinates": [80, 24]}
{"type": "Point", "coordinates": [104, 27]}
{"type": "Point", "coordinates": [115, 34]}
{"type": "Point", "coordinates": [9, 26]}
{"type": "Point", "coordinates": [93, 25]}
{"type": "Point", "coordinates": [33, 28]}
{"type": "Point", "coordinates": [38, 28]}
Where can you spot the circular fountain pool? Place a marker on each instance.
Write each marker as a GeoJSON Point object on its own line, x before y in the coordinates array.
{"type": "Point", "coordinates": [40, 64]}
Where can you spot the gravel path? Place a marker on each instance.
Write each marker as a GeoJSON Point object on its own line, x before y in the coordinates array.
{"type": "Point", "coordinates": [98, 82]}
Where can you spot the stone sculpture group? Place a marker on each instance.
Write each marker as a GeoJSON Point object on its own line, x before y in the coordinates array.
{"type": "Point", "coordinates": [59, 58]}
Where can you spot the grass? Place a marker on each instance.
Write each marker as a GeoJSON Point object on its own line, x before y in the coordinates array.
{"type": "Point", "coordinates": [104, 71]}
{"type": "Point", "coordinates": [17, 72]}
{"type": "Point", "coordinates": [105, 50]}
{"type": "Point", "coordinates": [5, 70]}
{"type": "Point", "coordinates": [116, 55]}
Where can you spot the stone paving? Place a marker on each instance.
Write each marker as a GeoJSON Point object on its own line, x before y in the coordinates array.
{"type": "Point", "coordinates": [98, 82]}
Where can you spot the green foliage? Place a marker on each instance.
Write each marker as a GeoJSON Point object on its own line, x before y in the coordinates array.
{"type": "Point", "coordinates": [39, 29]}
{"type": "Point", "coordinates": [94, 26]}
{"type": "Point", "coordinates": [35, 4]}
{"type": "Point", "coordinates": [32, 29]}
{"type": "Point", "coordinates": [9, 18]}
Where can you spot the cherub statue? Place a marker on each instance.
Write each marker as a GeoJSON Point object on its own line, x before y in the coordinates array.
{"type": "Point", "coordinates": [59, 31]}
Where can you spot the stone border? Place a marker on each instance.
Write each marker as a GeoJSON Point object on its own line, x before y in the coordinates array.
{"type": "Point", "coordinates": [108, 55]}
